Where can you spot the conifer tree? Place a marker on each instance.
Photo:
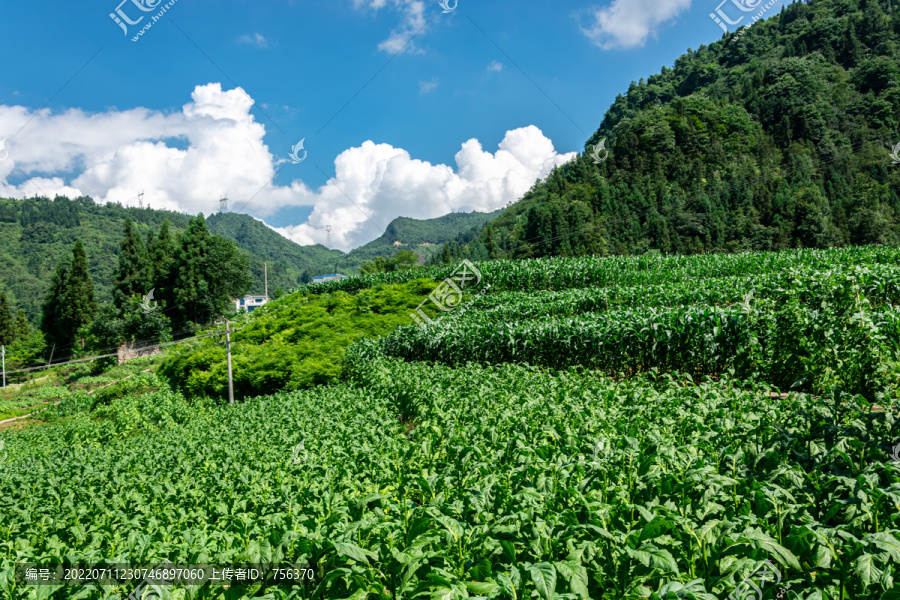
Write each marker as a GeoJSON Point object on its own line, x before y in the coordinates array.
{"type": "Point", "coordinates": [207, 272]}
{"type": "Point", "coordinates": [131, 276]}
{"type": "Point", "coordinates": [80, 304]}
{"type": "Point", "coordinates": [189, 284]}
{"type": "Point", "coordinates": [23, 329]}
{"type": "Point", "coordinates": [150, 246]}
{"type": "Point", "coordinates": [53, 313]}
{"type": "Point", "coordinates": [161, 263]}
{"type": "Point", "coordinates": [7, 324]}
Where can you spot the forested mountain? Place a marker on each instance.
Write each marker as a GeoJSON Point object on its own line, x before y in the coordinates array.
{"type": "Point", "coordinates": [289, 262]}
{"type": "Point", "coordinates": [777, 137]}
{"type": "Point", "coordinates": [36, 233]}
{"type": "Point", "coordinates": [424, 237]}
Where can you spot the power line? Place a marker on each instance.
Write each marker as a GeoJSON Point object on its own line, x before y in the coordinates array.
{"type": "Point", "coordinates": [90, 358]}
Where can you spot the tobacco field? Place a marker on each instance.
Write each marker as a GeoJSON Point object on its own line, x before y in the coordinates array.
{"type": "Point", "coordinates": [621, 428]}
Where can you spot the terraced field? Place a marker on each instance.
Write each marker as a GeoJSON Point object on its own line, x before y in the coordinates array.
{"type": "Point", "coordinates": [596, 428]}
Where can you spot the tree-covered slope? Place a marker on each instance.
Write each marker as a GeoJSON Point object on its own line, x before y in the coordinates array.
{"type": "Point", "coordinates": [287, 260]}
{"type": "Point", "coordinates": [425, 237]}
{"type": "Point", "coordinates": [35, 234]}
{"type": "Point", "coordinates": [777, 138]}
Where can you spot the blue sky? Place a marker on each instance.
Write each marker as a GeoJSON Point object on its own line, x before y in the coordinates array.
{"type": "Point", "coordinates": [387, 115]}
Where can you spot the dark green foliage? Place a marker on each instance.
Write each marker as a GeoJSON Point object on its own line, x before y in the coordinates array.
{"type": "Point", "coordinates": [131, 323]}
{"type": "Point", "coordinates": [27, 348]}
{"type": "Point", "coordinates": [777, 139]}
{"type": "Point", "coordinates": [189, 286]}
{"type": "Point", "coordinates": [8, 331]}
{"type": "Point", "coordinates": [132, 277]}
{"type": "Point", "coordinates": [53, 318]}
{"type": "Point", "coordinates": [160, 253]}
{"type": "Point", "coordinates": [70, 303]}
{"type": "Point", "coordinates": [227, 273]}
{"type": "Point", "coordinates": [23, 329]}
{"type": "Point", "coordinates": [80, 303]}
{"type": "Point", "coordinates": [295, 342]}
{"type": "Point", "coordinates": [403, 259]}
{"type": "Point", "coordinates": [207, 271]}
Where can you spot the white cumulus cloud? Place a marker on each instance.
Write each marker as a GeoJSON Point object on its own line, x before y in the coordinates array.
{"type": "Point", "coordinates": [628, 23]}
{"type": "Point", "coordinates": [386, 182]}
{"type": "Point", "coordinates": [185, 161]}
{"type": "Point", "coordinates": [412, 22]}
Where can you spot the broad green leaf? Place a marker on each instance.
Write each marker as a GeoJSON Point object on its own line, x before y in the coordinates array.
{"type": "Point", "coordinates": [655, 558]}
{"type": "Point", "coordinates": [482, 588]}
{"type": "Point", "coordinates": [887, 542]}
{"type": "Point", "coordinates": [767, 543]}
{"type": "Point", "coordinates": [865, 569]}
{"type": "Point", "coordinates": [354, 552]}
{"type": "Point", "coordinates": [543, 575]}
{"type": "Point", "coordinates": [576, 575]}
{"type": "Point", "coordinates": [507, 586]}
{"type": "Point", "coordinates": [655, 528]}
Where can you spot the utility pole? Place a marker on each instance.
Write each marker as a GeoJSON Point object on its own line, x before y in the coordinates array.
{"type": "Point", "coordinates": [3, 354]}
{"type": "Point", "coordinates": [230, 380]}
{"type": "Point", "coordinates": [228, 332]}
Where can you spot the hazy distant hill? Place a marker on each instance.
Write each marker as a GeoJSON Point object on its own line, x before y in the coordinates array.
{"type": "Point", "coordinates": [424, 237]}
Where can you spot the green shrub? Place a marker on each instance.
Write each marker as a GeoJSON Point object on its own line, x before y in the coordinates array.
{"type": "Point", "coordinates": [296, 342]}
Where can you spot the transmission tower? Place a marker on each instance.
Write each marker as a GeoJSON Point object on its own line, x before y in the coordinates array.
{"type": "Point", "coordinates": [141, 199]}
{"type": "Point", "coordinates": [328, 236]}
{"type": "Point", "coordinates": [223, 204]}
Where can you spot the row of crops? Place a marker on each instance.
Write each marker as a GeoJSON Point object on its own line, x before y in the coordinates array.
{"type": "Point", "coordinates": [568, 273]}
{"type": "Point", "coordinates": [492, 482]}
{"type": "Point", "coordinates": [800, 328]}
{"type": "Point", "coordinates": [642, 453]}
{"type": "Point", "coordinates": [879, 284]}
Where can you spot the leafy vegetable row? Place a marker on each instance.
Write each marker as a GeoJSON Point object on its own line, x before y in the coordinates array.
{"type": "Point", "coordinates": [416, 481]}
{"type": "Point", "coordinates": [573, 273]}
{"type": "Point", "coordinates": [855, 347]}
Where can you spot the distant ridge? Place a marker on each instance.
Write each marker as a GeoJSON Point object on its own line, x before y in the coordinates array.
{"type": "Point", "coordinates": [36, 233]}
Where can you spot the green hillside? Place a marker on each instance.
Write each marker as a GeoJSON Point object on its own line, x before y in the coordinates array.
{"type": "Point", "coordinates": [424, 237]}
{"type": "Point", "coordinates": [36, 233]}
{"type": "Point", "coordinates": [287, 260]}
{"type": "Point", "coordinates": [779, 138]}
